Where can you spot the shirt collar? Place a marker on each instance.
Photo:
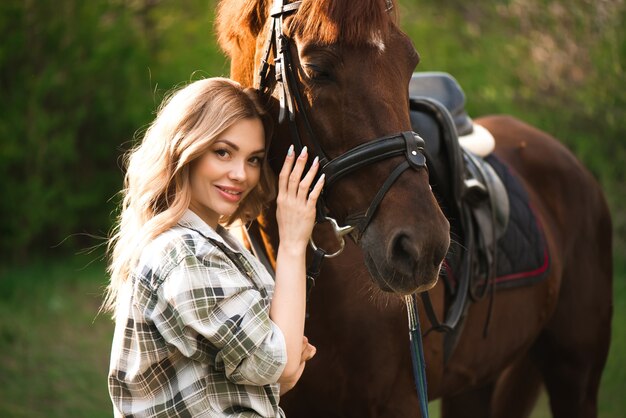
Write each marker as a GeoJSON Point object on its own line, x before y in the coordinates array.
{"type": "Point", "coordinates": [192, 221]}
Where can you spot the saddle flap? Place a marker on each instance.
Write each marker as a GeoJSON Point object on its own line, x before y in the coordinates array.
{"type": "Point", "coordinates": [491, 205]}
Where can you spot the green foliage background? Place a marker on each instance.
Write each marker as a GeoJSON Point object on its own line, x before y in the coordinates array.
{"type": "Point", "coordinates": [558, 65]}
{"type": "Point", "coordinates": [79, 79]}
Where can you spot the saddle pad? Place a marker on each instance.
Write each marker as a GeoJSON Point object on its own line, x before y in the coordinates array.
{"type": "Point", "coordinates": [522, 251]}
{"type": "Point", "coordinates": [522, 255]}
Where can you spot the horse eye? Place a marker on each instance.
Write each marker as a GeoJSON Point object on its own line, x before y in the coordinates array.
{"type": "Point", "coordinates": [317, 73]}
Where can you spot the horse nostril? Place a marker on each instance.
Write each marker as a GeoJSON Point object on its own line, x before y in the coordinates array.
{"type": "Point", "coordinates": [404, 253]}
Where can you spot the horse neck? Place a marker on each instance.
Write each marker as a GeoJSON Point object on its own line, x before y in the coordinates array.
{"type": "Point", "coordinates": [279, 143]}
{"type": "Point", "coordinates": [242, 67]}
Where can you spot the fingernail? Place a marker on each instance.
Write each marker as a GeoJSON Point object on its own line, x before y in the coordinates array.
{"type": "Point", "coordinates": [303, 152]}
{"type": "Point", "coordinates": [322, 177]}
{"type": "Point", "coordinates": [290, 151]}
{"type": "Point", "coordinates": [316, 160]}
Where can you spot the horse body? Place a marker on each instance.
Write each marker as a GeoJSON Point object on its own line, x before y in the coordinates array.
{"type": "Point", "coordinates": [564, 322]}
{"type": "Point", "coordinates": [555, 332]}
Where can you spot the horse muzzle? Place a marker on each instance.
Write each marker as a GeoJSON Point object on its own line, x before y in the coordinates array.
{"type": "Point", "coordinates": [403, 261]}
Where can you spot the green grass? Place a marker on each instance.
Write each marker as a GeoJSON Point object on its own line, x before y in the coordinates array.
{"type": "Point", "coordinates": [56, 350]}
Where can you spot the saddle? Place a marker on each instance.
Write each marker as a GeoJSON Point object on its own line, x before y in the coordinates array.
{"type": "Point", "coordinates": [470, 193]}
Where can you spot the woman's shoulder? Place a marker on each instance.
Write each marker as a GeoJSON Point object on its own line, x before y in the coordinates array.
{"type": "Point", "coordinates": [189, 251]}
{"type": "Point", "coordinates": [177, 242]}
{"type": "Point", "coordinates": [166, 251]}
{"type": "Point", "coordinates": [180, 242]}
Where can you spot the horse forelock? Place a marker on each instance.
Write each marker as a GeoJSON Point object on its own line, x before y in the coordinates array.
{"type": "Point", "coordinates": [239, 22]}
{"type": "Point", "coordinates": [323, 21]}
{"type": "Point", "coordinates": [346, 21]}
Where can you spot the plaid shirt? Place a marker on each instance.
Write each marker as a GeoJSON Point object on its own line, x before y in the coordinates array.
{"type": "Point", "coordinates": [193, 337]}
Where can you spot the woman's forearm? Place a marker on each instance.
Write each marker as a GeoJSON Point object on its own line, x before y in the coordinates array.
{"type": "Point", "coordinates": [295, 215]}
{"type": "Point", "coordinates": [289, 303]}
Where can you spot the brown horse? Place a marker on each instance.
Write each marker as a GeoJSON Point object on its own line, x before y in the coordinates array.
{"type": "Point", "coordinates": [353, 65]}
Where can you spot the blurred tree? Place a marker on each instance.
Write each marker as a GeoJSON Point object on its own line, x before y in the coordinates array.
{"type": "Point", "coordinates": [558, 65]}
{"type": "Point", "coordinates": [77, 80]}
{"type": "Point", "coordinates": [70, 79]}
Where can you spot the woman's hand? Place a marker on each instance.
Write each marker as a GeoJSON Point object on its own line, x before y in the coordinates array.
{"type": "Point", "coordinates": [308, 351]}
{"type": "Point", "coordinates": [296, 205]}
{"type": "Point", "coordinates": [296, 216]}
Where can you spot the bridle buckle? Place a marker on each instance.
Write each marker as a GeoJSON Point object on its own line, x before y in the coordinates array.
{"type": "Point", "coordinates": [339, 231]}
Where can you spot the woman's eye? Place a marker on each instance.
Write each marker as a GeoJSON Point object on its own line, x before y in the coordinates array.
{"type": "Point", "coordinates": [221, 152]}
{"type": "Point", "coordinates": [256, 161]}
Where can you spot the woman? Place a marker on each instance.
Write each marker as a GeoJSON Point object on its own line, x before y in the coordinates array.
{"type": "Point", "coordinates": [202, 329]}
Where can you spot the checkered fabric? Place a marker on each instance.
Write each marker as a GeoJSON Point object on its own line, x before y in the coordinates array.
{"type": "Point", "coordinates": [193, 337]}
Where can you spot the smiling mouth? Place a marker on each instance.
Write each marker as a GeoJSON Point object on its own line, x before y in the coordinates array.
{"type": "Point", "coordinates": [232, 195]}
{"type": "Point", "coordinates": [229, 191]}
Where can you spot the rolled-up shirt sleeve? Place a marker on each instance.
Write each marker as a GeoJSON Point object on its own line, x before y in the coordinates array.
{"type": "Point", "coordinates": [213, 313]}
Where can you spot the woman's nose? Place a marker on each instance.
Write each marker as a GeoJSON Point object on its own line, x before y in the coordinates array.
{"type": "Point", "coordinates": [238, 171]}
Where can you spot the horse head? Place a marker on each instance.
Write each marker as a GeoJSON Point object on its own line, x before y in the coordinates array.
{"type": "Point", "coordinates": [350, 67]}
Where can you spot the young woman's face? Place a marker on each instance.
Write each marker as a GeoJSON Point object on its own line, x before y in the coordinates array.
{"type": "Point", "coordinates": [228, 171]}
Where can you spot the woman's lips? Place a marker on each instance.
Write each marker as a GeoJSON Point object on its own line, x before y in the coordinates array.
{"type": "Point", "coordinates": [230, 194]}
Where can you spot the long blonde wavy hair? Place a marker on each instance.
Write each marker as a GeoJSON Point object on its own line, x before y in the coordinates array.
{"type": "Point", "coordinates": [156, 189]}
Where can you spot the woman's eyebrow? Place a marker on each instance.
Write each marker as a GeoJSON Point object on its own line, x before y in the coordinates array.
{"type": "Point", "coordinates": [227, 142]}
{"type": "Point", "coordinates": [236, 147]}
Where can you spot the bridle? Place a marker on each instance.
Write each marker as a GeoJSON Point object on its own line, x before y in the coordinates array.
{"type": "Point", "coordinates": [406, 143]}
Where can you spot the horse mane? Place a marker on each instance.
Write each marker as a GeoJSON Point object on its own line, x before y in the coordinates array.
{"type": "Point", "coordinates": [326, 21]}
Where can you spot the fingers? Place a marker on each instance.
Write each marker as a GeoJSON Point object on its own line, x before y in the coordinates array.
{"type": "Point", "coordinates": [296, 174]}
{"type": "Point", "coordinates": [317, 190]}
{"type": "Point", "coordinates": [283, 176]}
{"type": "Point", "coordinates": [290, 179]}
{"type": "Point", "coordinates": [308, 179]}
{"type": "Point", "coordinates": [308, 352]}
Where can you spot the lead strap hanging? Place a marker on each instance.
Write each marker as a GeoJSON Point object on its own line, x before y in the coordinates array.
{"type": "Point", "coordinates": [417, 353]}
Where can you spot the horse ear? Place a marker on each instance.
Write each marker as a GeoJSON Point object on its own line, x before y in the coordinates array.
{"type": "Point", "coordinates": [239, 21]}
